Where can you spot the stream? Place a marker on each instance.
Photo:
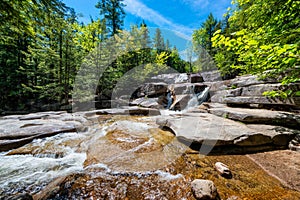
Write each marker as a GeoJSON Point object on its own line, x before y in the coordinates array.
{"type": "Point", "coordinates": [125, 157]}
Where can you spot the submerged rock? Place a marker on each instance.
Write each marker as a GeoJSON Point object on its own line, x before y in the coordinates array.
{"type": "Point", "coordinates": [204, 190]}
{"type": "Point", "coordinates": [24, 196]}
{"type": "Point", "coordinates": [295, 143]}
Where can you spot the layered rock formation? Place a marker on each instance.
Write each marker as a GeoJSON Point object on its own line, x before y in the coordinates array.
{"type": "Point", "coordinates": [140, 150]}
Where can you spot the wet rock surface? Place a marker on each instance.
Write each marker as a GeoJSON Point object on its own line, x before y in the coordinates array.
{"type": "Point", "coordinates": [134, 110]}
{"type": "Point", "coordinates": [284, 165]}
{"type": "Point", "coordinates": [15, 131]}
{"type": "Point", "coordinates": [217, 132]}
{"type": "Point", "coordinates": [171, 182]}
{"type": "Point", "coordinates": [131, 157]}
{"type": "Point", "coordinates": [147, 153]}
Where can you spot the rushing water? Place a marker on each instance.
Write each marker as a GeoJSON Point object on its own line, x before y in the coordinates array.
{"type": "Point", "coordinates": [123, 145]}
{"type": "Point", "coordinates": [19, 173]}
{"type": "Point", "coordinates": [132, 145]}
{"type": "Point", "coordinates": [198, 99]}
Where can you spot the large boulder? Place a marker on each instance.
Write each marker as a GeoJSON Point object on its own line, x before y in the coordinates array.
{"type": "Point", "coordinates": [247, 91]}
{"type": "Point", "coordinates": [211, 76]}
{"type": "Point", "coordinates": [146, 102]}
{"type": "Point", "coordinates": [207, 130]}
{"type": "Point", "coordinates": [195, 78]}
{"type": "Point", "coordinates": [189, 88]}
{"type": "Point", "coordinates": [262, 100]}
{"type": "Point", "coordinates": [150, 90]}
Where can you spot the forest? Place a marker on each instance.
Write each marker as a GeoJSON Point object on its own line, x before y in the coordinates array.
{"type": "Point", "coordinates": [43, 45]}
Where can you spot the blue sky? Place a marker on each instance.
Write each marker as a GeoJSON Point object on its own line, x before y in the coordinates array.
{"type": "Point", "coordinates": [178, 16]}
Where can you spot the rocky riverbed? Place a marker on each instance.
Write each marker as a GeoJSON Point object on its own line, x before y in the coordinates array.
{"type": "Point", "coordinates": [145, 152]}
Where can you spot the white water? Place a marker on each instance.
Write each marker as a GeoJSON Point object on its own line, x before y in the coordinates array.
{"type": "Point", "coordinates": [32, 172]}
{"type": "Point", "coordinates": [198, 99]}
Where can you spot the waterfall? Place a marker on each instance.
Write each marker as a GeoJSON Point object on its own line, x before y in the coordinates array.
{"type": "Point", "coordinates": [197, 99]}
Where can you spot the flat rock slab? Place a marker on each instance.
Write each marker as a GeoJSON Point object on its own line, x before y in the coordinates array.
{"type": "Point", "coordinates": [210, 130]}
{"type": "Point", "coordinates": [18, 130]}
{"type": "Point", "coordinates": [258, 116]}
{"type": "Point", "coordinates": [128, 111]}
{"type": "Point", "coordinates": [261, 100]}
{"type": "Point", "coordinates": [146, 102]}
{"type": "Point", "coordinates": [283, 165]}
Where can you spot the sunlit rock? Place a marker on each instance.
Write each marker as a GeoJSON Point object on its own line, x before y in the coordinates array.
{"type": "Point", "coordinates": [204, 190]}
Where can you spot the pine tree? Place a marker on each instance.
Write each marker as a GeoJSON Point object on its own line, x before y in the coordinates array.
{"type": "Point", "coordinates": [158, 41]}
{"type": "Point", "coordinates": [113, 13]}
{"type": "Point", "coordinates": [202, 37]}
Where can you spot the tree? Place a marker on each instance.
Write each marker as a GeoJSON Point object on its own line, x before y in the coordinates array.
{"type": "Point", "coordinates": [113, 13]}
{"type": "Point", "coordinates": [158, 41]}
{"type": "Point", "coordinates": [202, 37]}
{"type": "Point", "coordinates": [38, 56]}
{"type": "Point", "coordinates": [264, 40]}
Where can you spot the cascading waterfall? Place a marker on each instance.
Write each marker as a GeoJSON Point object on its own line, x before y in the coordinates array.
{"type": "Point", "coordinates": [198, 99]}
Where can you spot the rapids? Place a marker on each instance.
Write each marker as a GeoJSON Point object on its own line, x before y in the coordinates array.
{"type": "Point", "coordinates": [127, 157]}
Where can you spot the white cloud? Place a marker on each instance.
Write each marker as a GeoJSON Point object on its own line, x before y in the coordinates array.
{"type": "Point", "coordinates": [137, 8]}
{"type": "Point", "coordinates": [217, 7]}
{"type": "Point", "coordinates": [197, 4]}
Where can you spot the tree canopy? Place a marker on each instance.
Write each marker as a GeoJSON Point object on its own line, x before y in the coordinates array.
{"type": "Point", "coordinates": [43, 47]}
{"type": "Point", "coordinates": [257, 37]}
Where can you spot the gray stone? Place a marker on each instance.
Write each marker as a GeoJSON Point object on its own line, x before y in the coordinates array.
{"type": "Point", "coordinates": [189, 88]}
{"type": "Point", "coordinates": [146, 102]}
{"type": "Point", "coordinates": [209, 130]}
{"type": "Point", "coordinates": [258, 116]}
{"type": "Point", "coordinates": [223, 170]}
{"type": "Point", "coordinates": [151, 89]}
{"type": "Point", "coordinates": [258, 90]}
{"type": "Point", "coordinates": [280, 136]}
{"type": "Point", "coordinates": [16, 131]}
{"type": "Point", "coordinates": [219, 96]}
{"type": "Point", "coordinates": [204, 127]}
{"type": "Point", "coordinates": [172, 78]}
{"type": "Point", "coordinates": [246, 80]}
{"type": "Point", "coordinates": [211, 76]}
{"type": "Point", "coordinates": [181, 102]}
{"type": "Point", "coordinates": [195, 78]}
{"type": "Point", "coordinates": [204, 189]}
{"type": "Point", "coordinates": [259, 100]}
{"type": "Point", "coordinates": [134, 110]}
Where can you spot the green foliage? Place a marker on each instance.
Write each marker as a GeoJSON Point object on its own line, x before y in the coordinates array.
{"type": "Point", "coordinates": [37, 54]}
{"type": "Point", "coordinates": [112, 11]}
{"type": "Point", "coordinates": [43, 48]}
{"type": "Point", "coordinates": [263, 40]}
{"type": "Point", "coordinates": [202, 37]}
